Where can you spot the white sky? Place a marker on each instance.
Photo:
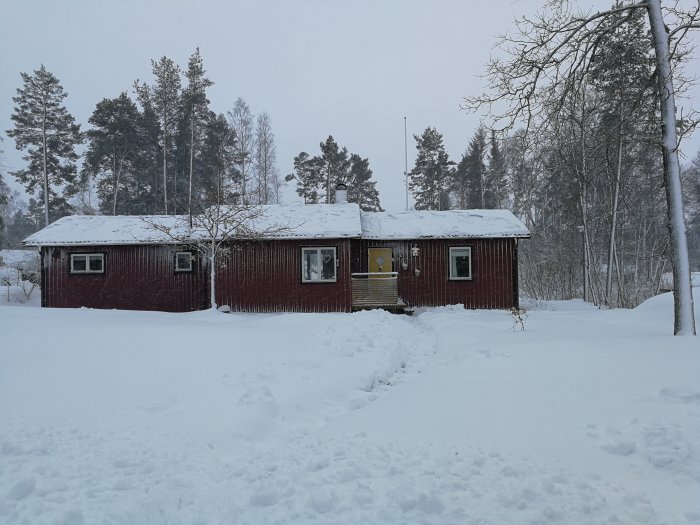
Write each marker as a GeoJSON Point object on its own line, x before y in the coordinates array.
{"type": "Point", "coordinates": [351, 69]}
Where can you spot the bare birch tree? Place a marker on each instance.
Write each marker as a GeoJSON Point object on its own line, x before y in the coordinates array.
{"type": "Point", "coordinates": [241, 120]}
{"type": "Point", "coordinates": [548, 56]}
{"type": "Point", "coordinates": [212, 231]}
{"type": "Point", "coordinates": [266, 175]}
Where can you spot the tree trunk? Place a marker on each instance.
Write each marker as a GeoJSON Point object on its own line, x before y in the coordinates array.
{"type": "Point", "coordinates": [613, 219]}
{"type": "Point", "coordinates": [165, 165]}
{"type": "Point", "coordinates": [684, 319]}
{"type": "Point", "coordinates": [46, 172]}
{"type": "Point", "coordinates": [189, 198]}
{"type": "Point", "coordinates": [212, 274]}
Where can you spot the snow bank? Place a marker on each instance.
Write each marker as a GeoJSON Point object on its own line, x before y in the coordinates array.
{"type": "Point", "coordinates": [447, 417]}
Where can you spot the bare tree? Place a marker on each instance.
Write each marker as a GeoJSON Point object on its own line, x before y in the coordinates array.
{"type": "Point", "coordinates": [215, 229]}
{"type": "Point", "coordinates": [241, 120]}
{"type": "Point", "coordinates": [547, 58]}
{"type": "Point", "coordinates": [212, 231]}
{"type": "Point", "coordinates": [266, 175]}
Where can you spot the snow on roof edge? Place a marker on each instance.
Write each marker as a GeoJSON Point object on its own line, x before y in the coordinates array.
{"type": "Point", "coordinates": [317, 222]}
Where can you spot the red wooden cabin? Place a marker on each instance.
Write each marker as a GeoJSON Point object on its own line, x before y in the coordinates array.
{"type": "Point", "coordinates": [329, 258]}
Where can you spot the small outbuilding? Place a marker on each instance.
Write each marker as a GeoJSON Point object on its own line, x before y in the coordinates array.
{"type": "Point", "coordinates": [322, 258]}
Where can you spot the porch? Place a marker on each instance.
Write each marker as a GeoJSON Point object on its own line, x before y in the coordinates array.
{"type": "Point", "coordinates": [376, 290]}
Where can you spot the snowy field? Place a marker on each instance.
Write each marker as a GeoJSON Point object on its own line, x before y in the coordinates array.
{"type": "Point", "coordinates": [447, 417]}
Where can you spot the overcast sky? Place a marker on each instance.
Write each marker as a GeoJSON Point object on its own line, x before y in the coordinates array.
{"type": "Point", "coordinates": [351, 69]}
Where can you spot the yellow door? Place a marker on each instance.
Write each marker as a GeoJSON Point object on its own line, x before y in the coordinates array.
{"type": "Point", "coordinates": [379, 260]}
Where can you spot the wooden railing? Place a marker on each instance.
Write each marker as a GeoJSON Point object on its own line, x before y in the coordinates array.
{"type": "Point", "coordinates": [374, 289]}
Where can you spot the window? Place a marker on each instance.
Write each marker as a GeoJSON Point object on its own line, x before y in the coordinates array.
{"type": "Point", "coordinates": [87, 263]}
{"type": "Point", "coordinates": [460, 263]}
{"type": "Point", "coordinates": [183, 261]}
{"type": "Point", "coordinates": [318, 265]}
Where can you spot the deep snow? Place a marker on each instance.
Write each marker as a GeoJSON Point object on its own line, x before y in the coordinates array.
{"type": "Point", "coordinates": [450, 416]}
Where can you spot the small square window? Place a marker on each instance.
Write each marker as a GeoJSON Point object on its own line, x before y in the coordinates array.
{"type": "Point", "coordinates": [183, 262]}
{"type": "Point", "coordinates": [318, 265]}
{"type": "Point", "coordinates": [460, 263]}
{"type": "Point", "coordinates": [87, 263]}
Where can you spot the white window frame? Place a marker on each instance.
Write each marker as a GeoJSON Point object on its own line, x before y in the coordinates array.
{"type": "Point", "coordinates": [88, 257]}
{"type": "Point", "coordinates": [190, 257]}
{"type": "Point", "coordinates": [451, 265]}
{"type": "Point", "coordinates": [318, 249]}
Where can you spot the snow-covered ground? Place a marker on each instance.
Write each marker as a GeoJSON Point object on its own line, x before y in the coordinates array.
{"type": "Point", "coordinates": [446, 417]}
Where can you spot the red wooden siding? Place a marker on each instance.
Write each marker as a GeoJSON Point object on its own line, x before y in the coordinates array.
{"type": "Point", "coordinates": [138, 277]}
{"type": "Point", "coordinates": [494, 277]}
{"type": "Point", "coordinates": [266, 277]}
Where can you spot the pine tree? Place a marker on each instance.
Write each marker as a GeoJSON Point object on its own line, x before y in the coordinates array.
{"type": "Point", "coordinates": [196, 102]}
{"type": "Point", "coordinates": [150, 156]}
{"type": "Point", "coordinates": [114, 143]}
{"type": "Point", "coordinates": [430, 177]}
{"type": "Point", "coordinates": [309, 177]}
{"type": "Point", "coordinates": [334, 165]}
{"type": "Point", "coordinates": [218, 153]}
{"type": "Point", "coordinates": [164, 98]}
{"type": "Point", "coordinates": [362, 189]}
{"type": "Point", "coordinates": [49, 133]}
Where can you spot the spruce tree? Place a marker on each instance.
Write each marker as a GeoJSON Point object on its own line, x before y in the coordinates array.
{"type": "Point", "coordinates": [496, 180]}
{"type": "Point", "coordinates": [476, 170]}
{"type": "Point", "coordinates": [460, 183]}
{"type": "Point", "coordinates": [43, 127]}
{"type": "Point", "coordinates": [430, 177]}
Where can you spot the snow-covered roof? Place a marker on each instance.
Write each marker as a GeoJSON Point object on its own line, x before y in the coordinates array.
{"type": "Point", "coordinates": [313, 221]}
{"type": "Point", "coordinates": [296, 221]}
{"type": "Point", "coordinates": [106, 229]}
{"type": "Point", "coordinates": [442, 224]}
{"type": "Point", "coordinates": [322, 221]}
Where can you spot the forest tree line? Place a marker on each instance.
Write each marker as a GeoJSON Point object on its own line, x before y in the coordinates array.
{"type": "Point", "coordinates": [587, 179]}
{"type": "Point", "coordinates": [156, 149]}
{"type": "Point", "coordinates": [588, 184]}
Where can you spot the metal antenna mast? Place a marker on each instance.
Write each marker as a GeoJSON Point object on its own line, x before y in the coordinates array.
{"type": "Point", "coordinates": [405, 153]}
